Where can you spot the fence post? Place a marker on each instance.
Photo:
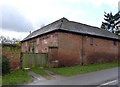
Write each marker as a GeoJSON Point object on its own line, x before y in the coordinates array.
{"type": "Point", "coordinates": [21, 58]}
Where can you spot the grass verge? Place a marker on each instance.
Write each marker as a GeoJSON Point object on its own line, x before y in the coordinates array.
{"type": "Point", "coordinates": [0, 81]}
{"type": "Point", "coordinates": [39, 71]}
{"type": "Point", "coordinates": [78, 69]}
{"type": "Point", "coordinates": [15, 77]}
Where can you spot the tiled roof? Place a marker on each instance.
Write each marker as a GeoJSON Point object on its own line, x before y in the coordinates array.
{"type": "Point", "coordinates": [65, 24]}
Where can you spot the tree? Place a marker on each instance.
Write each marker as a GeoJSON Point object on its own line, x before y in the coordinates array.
{"type": "Point", "coordinates": [13, 40]}
{"type": "Point", "coordinates": [8, 40]}
{"type": "Point", "coordinates": [117, 24]}
{"type": "Point", "coordinates": [3, 39]}
{"type": "Point", "coordinates": [18, 42]}
{"type": "Point", "coordinates": [111, 22]}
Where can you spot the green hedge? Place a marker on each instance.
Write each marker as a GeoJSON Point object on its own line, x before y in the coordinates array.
{"type": "Point", "coordinates": [5, 65]}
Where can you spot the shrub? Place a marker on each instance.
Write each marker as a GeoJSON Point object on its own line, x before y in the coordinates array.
{"type": "Point", "coordinates": [5, 65]}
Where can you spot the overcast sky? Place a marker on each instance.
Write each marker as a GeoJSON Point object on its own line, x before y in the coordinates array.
{"type": "Point", "coordinates": [18, 17]}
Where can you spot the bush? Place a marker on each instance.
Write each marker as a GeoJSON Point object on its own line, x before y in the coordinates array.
{"type": "Point", "coordinates": [5, 65]}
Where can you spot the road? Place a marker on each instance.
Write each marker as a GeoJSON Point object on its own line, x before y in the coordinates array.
{"type": "Point", "coordinates": [103, 77]}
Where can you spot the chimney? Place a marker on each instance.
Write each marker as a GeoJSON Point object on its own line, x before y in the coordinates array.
{"type": "Point", "coordinates": [30, 32]}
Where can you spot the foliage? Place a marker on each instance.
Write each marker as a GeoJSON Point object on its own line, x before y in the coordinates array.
{"type": "Point", "coordinates": [78, 69]}
{"type": "Point", "coordinates": [5, 65]}
{"type": "Point", "coordinates": [7, 49]}
{"type": "Point", "coordinates": [18, 42]}
{"type": "Point", "coordinates": [0, 81]}
{"type": "Point", "coordinates": [15, 77]}
{"type": "Point", "coordinates": [33, 48]}
{"type": "Point", "coordinates": [111, 22]}
{"type": "Point", "coordinates": [51, 46]}
{"type": "Point", "coordinates": [4, 39]}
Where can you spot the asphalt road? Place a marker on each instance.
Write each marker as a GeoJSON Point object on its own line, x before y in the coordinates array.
{"type": "Point", "coordinates": [103, 77]}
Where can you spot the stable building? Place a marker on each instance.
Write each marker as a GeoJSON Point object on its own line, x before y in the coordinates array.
{"type": "Point", "coordinates": [71, 43]}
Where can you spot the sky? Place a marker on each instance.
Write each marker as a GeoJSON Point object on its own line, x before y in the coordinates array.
{"type": "Point", "coordinates": [19, 17]}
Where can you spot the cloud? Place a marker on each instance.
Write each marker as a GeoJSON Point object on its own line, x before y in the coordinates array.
{"type": "Point", "coordinates": [14, 34]}
{"type": "Point", "coordinates": [15, 14]}
{"type": "Point", "coordinates": [45, 11]}
{"type": "Point", "coordinates": [13, 20]}
{"type": "Point", "coordinates": [41, 12]}
{"type": "Point", "coordinates": [98, 3]}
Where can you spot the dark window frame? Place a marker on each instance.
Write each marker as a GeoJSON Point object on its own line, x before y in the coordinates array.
{"type": "Point", "coordinates": [91, 40]}
{"type": "Point", "coordinates": [114, 43]}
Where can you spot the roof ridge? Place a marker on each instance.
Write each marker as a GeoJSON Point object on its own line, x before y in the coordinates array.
{"type": "Point", "coordinates": [62, 19]}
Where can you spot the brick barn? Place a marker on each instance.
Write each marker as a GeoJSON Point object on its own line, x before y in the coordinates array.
{"type": "Point", "coordinates": [70, 43]}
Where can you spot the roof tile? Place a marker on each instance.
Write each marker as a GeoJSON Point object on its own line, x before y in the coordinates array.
{"type": "Point", "coordinates": [65, 24]}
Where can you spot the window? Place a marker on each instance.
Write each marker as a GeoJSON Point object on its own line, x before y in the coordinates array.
{"type": "Point", "coordinates": [91, 41]}
{"type": "Point", "coordinates": [114, 43]}
{"type": "Point", "coordinates": [45, 48]}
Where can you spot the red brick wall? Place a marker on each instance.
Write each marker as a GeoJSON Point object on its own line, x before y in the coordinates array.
{"type": "Point", "coordinates": [70, 48]}
{"type": "Point", "coordinates": [75, 50]}
{"type": "Point", "coordinates": [102, 50]}
{"type": "Point", "coordinates": [52, 40]}
{"type": "Point", "coordinates": [41, 43]}
{"type": "Point", "coordinates": [23, 47]}
{"type": "Point", "coordinates": [13, 55]}
{"type": "Point", "coordinates": [52, 60]}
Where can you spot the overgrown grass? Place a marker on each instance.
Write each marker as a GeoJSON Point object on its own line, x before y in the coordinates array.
{"type": "Point", "coordinates": [39, 71]}
{"type": "Point", "coordinates": [15, 77]}
{"type": "Point", "coordinates": [78, 69]}
{"type": "Point", "coordinates": [0, 81]}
